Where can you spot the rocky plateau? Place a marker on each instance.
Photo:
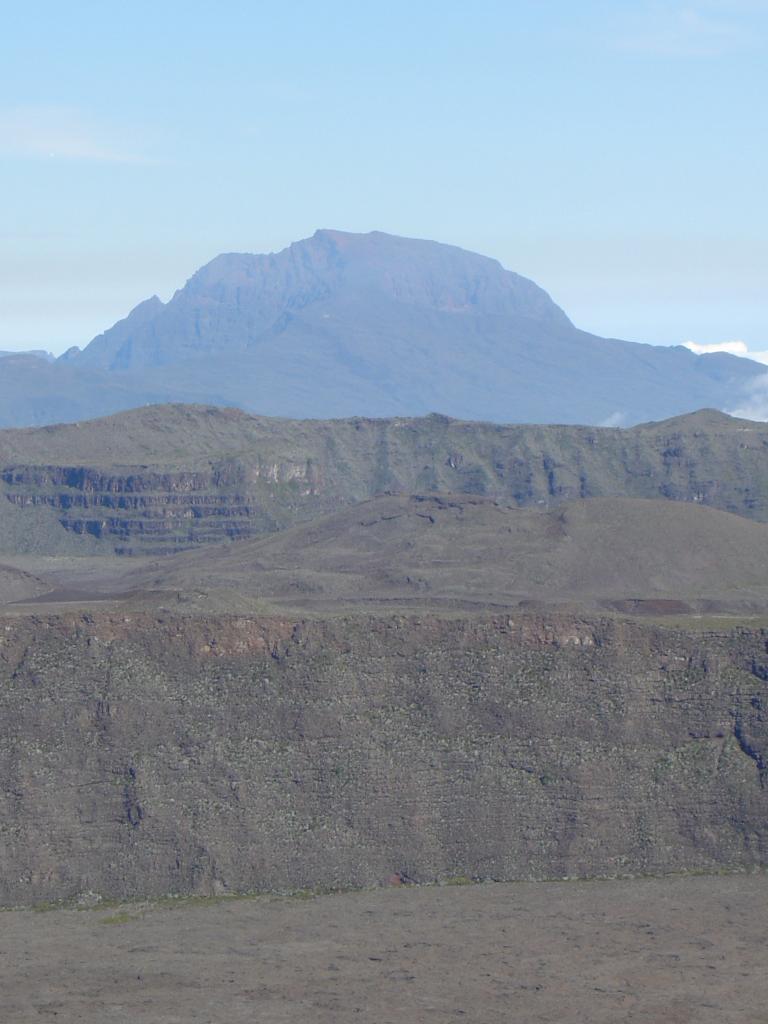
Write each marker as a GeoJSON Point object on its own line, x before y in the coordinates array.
{"type": "Point", "coordinates": [417, 650]}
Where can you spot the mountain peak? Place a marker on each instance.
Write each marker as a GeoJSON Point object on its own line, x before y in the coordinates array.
{"type": "Point", "coordinates": [371, 324]}
{"type": "Point", "coordinates": [238, 298]}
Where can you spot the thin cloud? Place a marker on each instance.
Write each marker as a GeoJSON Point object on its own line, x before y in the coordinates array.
{"type": "Point", "coordinates": [59, 133]}
{"type": "Point", "coordinates": [755, 403]}
{"type": "Point", "coordinates": [616, 419]}
{"type": "Point", "coordinates": [684, 30]}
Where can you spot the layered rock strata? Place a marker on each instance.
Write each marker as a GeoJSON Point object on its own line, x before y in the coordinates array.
{"type": "Point", "coordinates": [158, 480]}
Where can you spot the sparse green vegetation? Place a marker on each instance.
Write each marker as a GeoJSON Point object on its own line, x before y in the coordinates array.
{"type": "Point", "coordinates": [123, 917]}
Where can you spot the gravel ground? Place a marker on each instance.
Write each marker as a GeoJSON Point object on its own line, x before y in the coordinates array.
{"type": "Point", "coordinates": [656, 951]}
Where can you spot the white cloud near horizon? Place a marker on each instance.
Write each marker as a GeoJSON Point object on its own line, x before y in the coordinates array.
{"type": "Point", "coordinates": [616, 419]}
{"type": "Point", "coordinates": [733, 348]}
{"type": "Point", "coordinates": [755, 405]}
{"type": "Point", "coordinates": [58, 132]}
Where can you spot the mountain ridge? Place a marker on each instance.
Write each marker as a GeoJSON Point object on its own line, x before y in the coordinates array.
{"type": "Point", "coordinates": [344, 324]}
{"type": "Point", "coordinates": [160, 479]}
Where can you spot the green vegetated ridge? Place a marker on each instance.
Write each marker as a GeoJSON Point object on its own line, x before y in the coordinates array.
{"type": "Point", "coordinates": [163, 478]}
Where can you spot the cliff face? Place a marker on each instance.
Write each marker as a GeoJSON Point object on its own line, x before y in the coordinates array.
{"type": "Point", "coordinates": [146, 755]}
{"type": "Point", "coordinates": [139, 510]}
{"type": "Point", "coordinates": [160, 480]}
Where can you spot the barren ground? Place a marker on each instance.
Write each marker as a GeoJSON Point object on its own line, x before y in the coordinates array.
{"type": "Point", "coordinates": [672, 950]}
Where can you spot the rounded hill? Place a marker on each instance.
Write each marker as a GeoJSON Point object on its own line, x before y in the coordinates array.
{"type": "Point", "coordinates": [628, 554]}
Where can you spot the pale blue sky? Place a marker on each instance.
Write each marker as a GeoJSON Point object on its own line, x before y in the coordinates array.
{"type": "Point", "coordinates": [615, 152]}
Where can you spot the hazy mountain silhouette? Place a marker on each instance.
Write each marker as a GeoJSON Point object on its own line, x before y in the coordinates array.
{"type": "Point", "coordinates": [37, 353]}
{"type": "Point", "coordinates": [344, 324]}
{"type": "Point", "coordinates": [239, 302]}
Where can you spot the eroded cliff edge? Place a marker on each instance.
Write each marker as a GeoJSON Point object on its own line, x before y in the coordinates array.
{"type": "Point", "coordinates": [160, 479]}
{"type": "Point", "coordinates": [147, 754]}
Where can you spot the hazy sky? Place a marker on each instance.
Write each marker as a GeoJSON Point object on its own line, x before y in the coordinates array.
{"type": "Point", "coordinates": [616, 152]}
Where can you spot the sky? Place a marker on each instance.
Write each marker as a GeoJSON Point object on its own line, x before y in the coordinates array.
{"type": "Point", "coordinates": [615, 152]}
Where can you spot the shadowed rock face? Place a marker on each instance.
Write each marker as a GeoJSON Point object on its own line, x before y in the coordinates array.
{"type": "Point", "coordinates": [149, 755]}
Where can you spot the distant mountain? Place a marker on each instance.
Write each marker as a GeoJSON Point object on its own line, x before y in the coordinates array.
{"type": "Point", "coordinates": [37, 353]}
{"type": "Point", "coordinates": [343, 324]}
{"type": "Point", "coordinates": [334, 286]}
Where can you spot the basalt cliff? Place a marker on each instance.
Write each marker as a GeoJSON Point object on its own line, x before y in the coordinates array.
{"type": "Point", "coordinates": [144, 755]}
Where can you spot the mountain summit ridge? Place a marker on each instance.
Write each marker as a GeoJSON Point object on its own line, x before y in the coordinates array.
{"type": "Point", "coordinates": [230, 302]}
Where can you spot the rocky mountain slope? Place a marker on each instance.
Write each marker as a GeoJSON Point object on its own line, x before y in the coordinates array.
{"type": "Point", "coordinates": [342, 324]}
{"type": "Point", "coordinates": [159, 479]}
{"type": "Point", "coordinates": [144, 755]}
{"type": "Point", "coordinates": [17, 585]}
